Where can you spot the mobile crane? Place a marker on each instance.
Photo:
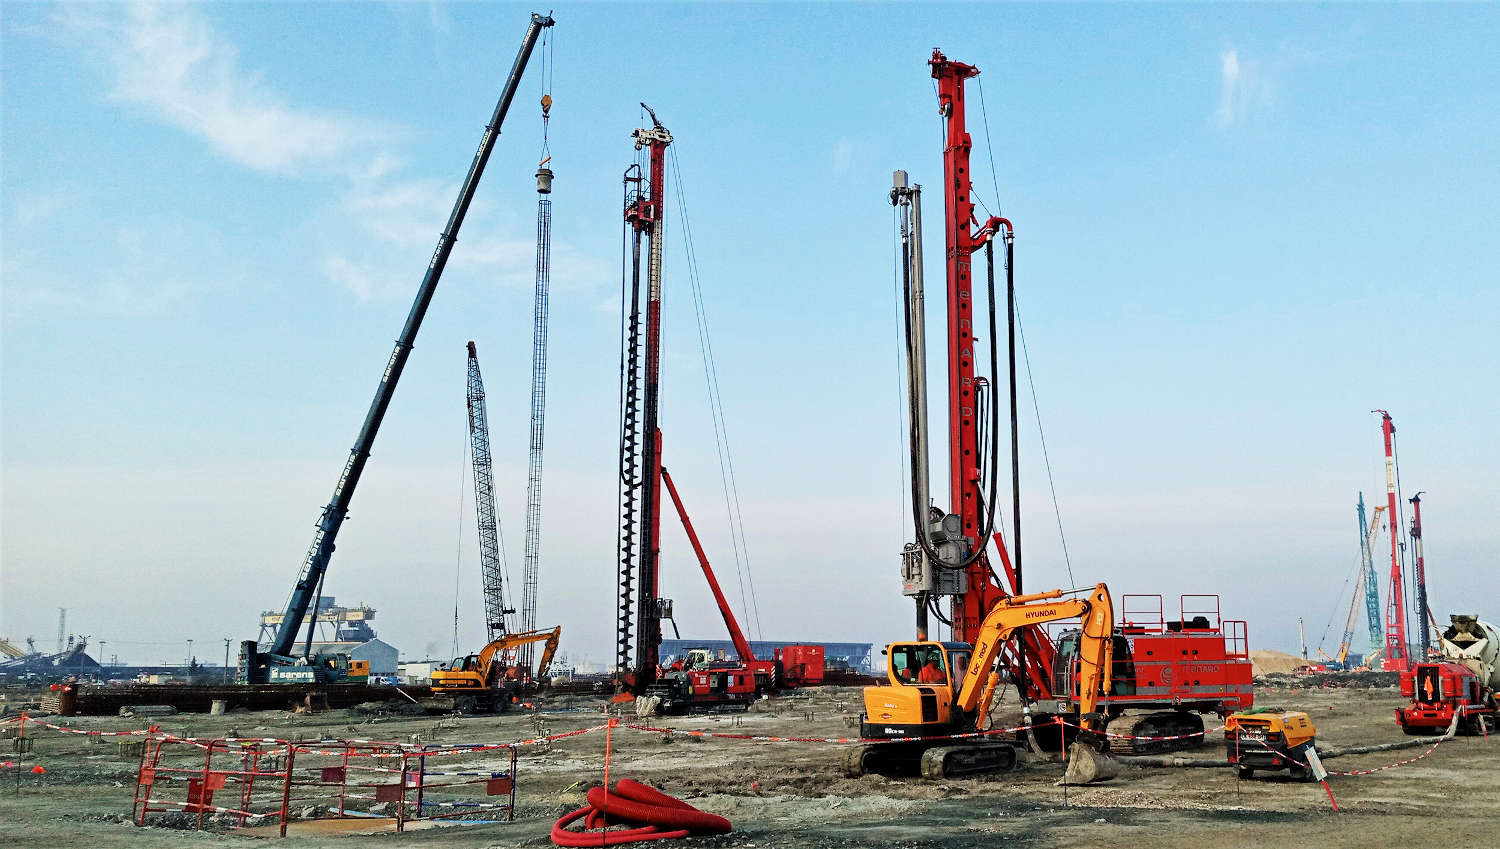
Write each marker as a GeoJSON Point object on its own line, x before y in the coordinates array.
{"type": "Point", "coordinates": [255, 665]}
{"type": "Point", "coordinates": [937, 689]}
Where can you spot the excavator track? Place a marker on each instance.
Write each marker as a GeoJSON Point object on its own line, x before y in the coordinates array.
{"type": "Point", "coordinates": [891, 759]}
{"type": "Point", "coordinates": [931, 762]}
{"type": "Point", "coordinates": [973, 759]}
{"type": "Point", "coordinates": [1138, 729]}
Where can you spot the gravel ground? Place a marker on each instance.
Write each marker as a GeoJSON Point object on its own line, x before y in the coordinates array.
{"type": "Point", "coordinates": [792, 794]}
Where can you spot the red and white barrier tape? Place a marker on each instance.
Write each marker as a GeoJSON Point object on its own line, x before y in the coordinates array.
{"type": "Point", "coordinates": [83, 731]}
{"type": "Point", "coordinates": [1370, 771]}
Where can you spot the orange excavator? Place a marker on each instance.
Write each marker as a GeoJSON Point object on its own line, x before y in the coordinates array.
{"type": "Point", "coordinates": [939, 689]}
{"type": "Point", "coordinates": [486, 681]}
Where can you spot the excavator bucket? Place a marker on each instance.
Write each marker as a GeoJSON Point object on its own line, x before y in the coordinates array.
{"type": "Point", "coordinates": [1087, 765]}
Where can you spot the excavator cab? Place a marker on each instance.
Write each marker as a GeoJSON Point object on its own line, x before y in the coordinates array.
{"type": "Point", "coordinates": [922, 679]}
{"type": "Point", "coordinates": [928, 663]}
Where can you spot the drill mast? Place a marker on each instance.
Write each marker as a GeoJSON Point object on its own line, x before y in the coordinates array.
{"type": "Point", "coordinates": [640, 439]}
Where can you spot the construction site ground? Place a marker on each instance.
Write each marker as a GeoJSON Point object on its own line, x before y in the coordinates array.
{"type": "Point", "coordinates": [795, 794]}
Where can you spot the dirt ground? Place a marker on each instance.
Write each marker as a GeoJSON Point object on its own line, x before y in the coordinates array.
{"type": "Point", "coordinates": [795, 794]}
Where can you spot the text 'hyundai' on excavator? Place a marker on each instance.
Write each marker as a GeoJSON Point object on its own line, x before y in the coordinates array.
{"type": "Point", "coordinates": [938, 689]}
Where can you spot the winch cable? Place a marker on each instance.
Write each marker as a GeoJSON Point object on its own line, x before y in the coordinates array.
{"type": "Point", "coordinates": [1021, 332]}
{"type": "Point", "coordinates": [912, 449]}
{"type": "Point", "coordinates": [458, 559]}
{"type": "Point", "coordinates": [732, 504]}
{"type": "Point", "coordinates": [1411, 574]}
{"type": "Point", "coordinates": [901, 407]}
{"type": "Point", "coordinates": [919, 511]}
{"type": "Point", "coordinates": [1042, 436]}
{"type": "Point", "coordinates": [1357, 574]}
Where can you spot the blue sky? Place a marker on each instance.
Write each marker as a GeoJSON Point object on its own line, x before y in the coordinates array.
{"type": "Point", "coordinates": [1240, 228]}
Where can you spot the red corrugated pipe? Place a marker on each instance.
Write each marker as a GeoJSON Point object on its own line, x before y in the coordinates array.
{"type": "Point", "coordinates": [653, 814]}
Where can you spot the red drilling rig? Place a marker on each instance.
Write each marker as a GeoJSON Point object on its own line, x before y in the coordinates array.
{"type": "Point", "coordinates": [703, 681]}
{"type": "Point", "coordinates": [1395, 659]}
{"type": "Point", "coordinates": [1175, 669]}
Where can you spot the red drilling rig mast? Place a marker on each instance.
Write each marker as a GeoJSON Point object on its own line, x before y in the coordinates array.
{"type": "Point", "coordinates": [641, 608]}
{"type": "Point", "coordinates": [1395, 658]}
{"type": "Point", "coordinates": [982, 587]}
{"type": "Point", "coordinates": [1423, 614]}
{"type": "Point", "coordinates": [640, 438]}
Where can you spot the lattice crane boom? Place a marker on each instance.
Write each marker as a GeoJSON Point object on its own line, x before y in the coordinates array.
{"type": "Point", "coordinates": [538, 399]}
{"type": "Point", "coordinates": [491, 558]}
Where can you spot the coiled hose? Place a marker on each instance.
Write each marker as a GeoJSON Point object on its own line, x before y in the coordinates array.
{"type": "Point", "coordinates": [652, 814]}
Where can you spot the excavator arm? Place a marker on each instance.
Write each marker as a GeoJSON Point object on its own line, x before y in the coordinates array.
{"type": "Point", "coordinates": [511, 641]}
{"type": "Point", "coordinates": [548, 651]}
{"type": "Point", "coordinates": [1096, 645]}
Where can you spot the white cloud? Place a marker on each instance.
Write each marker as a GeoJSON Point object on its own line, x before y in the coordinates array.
{"type": "Point", "coordinates": [1248, 83]}
{"type": "Point", "coordinates": [843, 155]}
{"type": "Point", "coordinates": [169, 60]}
{"type": "Point", "coordinates": [405, 213]}
{"type": "Point", "coordinates": [1231, 95]}
{"type": "Point", "coordinates": [122, 272]}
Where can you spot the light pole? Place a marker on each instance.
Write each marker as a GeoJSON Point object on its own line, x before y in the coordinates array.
{"type": "Point", "coordinates": [190, 653]}
{"type": "Point", "coordinates": [227, 676]}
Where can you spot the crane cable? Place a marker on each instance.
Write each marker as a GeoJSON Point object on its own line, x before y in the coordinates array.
{"type": "Point", "coordinates": [716, 412]}
{"type": "Point", "coordinates": [1359, 574]}
{"type": "Point", "coordinates": [458, 560]}
{"type": "Point", "coordinates": [901, 407]}
{"type": "Point", "coordinates": [546, 63]}
{"type": "Point", "coordinates": [1026, 354]}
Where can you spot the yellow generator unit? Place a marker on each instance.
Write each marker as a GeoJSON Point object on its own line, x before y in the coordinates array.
{"type": "Point", "coordinates": [1270, 739]}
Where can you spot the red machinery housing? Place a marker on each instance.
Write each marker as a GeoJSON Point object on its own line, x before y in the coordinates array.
{"type": "Point", "coordinates": [1438, 691]}
{"type": "Point", "coordinates": [800, 666]}
{"type": "Point", "coordinates": [1175, 669]}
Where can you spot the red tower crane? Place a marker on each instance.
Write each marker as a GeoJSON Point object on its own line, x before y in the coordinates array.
{"type": "Point", "coordinates": [1395, 658]}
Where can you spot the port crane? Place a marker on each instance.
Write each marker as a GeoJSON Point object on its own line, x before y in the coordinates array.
{"type": "Point", "coordinates": [256, 665]}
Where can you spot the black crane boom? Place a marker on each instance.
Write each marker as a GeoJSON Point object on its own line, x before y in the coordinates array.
{"type": "Point", "coordinates": [321, 550]}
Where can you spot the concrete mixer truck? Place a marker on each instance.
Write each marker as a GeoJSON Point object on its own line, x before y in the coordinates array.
{"type": "Point", "coordinates": [1465, 682]}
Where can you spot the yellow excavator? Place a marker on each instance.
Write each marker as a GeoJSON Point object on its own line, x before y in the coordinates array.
{"type": "Point", "coordinates": [940, 689]}
{"type": "Point", "coordinates": [486, 682]}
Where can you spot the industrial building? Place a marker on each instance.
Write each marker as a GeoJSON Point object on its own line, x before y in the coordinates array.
{"type": "Point", "coordinates": [856, 656]}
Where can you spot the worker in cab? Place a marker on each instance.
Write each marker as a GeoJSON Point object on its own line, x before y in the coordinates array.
{"type": "Point", "coordinates": [932, 671]}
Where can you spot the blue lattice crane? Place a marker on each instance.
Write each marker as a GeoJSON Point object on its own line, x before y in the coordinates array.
{"type": "Point", "coordinates": [1372, 580]}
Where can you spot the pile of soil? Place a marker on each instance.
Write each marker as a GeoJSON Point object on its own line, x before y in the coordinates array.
{"type": "Point", "coordinates": [1267, 662]}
